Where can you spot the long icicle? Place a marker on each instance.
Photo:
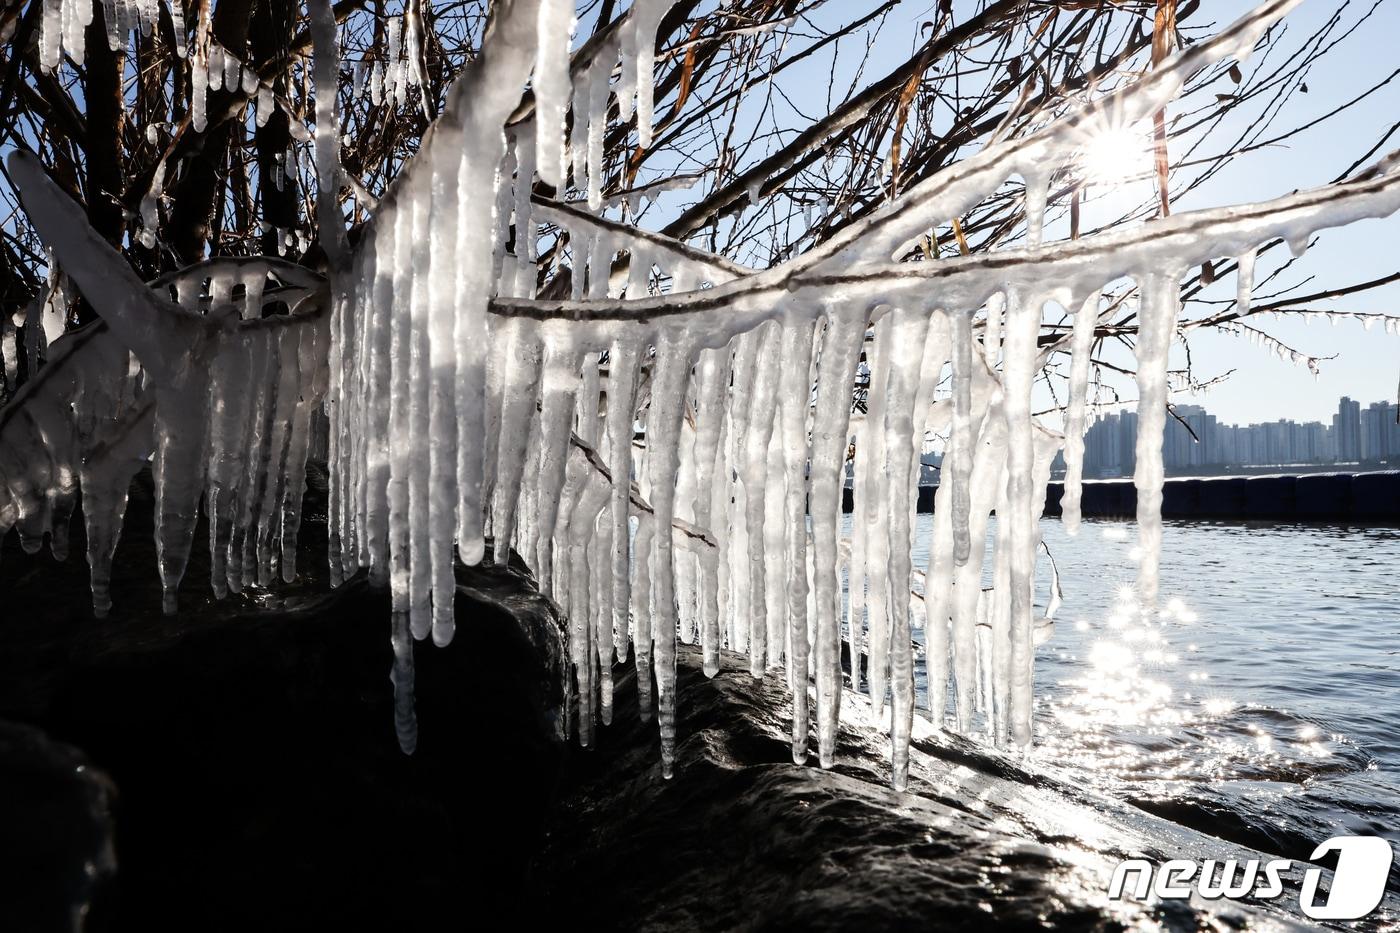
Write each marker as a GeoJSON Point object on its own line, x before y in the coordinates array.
{"type": "Point", "coordinates": [1157, 315]}
{"type": "Point", "coordinates": [1081, 342]}
{"type": "Point", "coordinates": [836, 370]}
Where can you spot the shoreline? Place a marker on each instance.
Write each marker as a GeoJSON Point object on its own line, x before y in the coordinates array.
{"type": "Point", "coordinates": [1307, 497]}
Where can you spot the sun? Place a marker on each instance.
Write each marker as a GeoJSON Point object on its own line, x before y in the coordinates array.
{"type": "Point", "coordinates": [1115, 155]}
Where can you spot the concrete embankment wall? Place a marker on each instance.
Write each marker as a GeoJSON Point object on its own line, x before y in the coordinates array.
{"type": "Point", "coordinates": [1335, 497]}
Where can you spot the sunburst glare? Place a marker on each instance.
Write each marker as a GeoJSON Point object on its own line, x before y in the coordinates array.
{"type": "Point", "coordinates": [1116, 155]}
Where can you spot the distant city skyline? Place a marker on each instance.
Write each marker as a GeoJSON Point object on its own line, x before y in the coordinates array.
{"type": "Point", "coordinates": [1197, 441]}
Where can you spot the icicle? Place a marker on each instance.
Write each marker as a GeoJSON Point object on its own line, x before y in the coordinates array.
{"type": "Point", "coordinates": [939, 579]}
{"type": "Point", "coordinates": [10, 352]}
{"type": "Point", "coordinates": [599, 75]}
{"type": "Point", "coordinates": [476, 174]}
{"type": "Point", "coordinates": [600, 599]}
{"type": "Point", "coordinates": [150, 207]}
{"type": "Point", "coordinates": [420, 392]}
{"type": "Point", "coordinates": [51, 34]}
{"type": "Point", "coordinates": [272, 469]}
{"type": "Point", "coordinates": [757, 493]}
{"type": "Point", "coordinates": [376, 83]}
{"type": "Point", "coordinates": [873, 514]}
{"type": "Point", "coordinates": [326, 71]}
{"type": "Point", "coordinates": [297, 129]}
{"type": "Point", "coordinates": [960, 454]}
{"type": "Point", "coordinates": [663, 427]}
{"type": "Point", "coordinates": [393, 48]}
{"type": "Point", "coordinates": [646, 16]}
{"type": "Point", "coordinates": [908, 335]}
{"type": "Point", "coordinates": [552, 88]}
{"type": "Point", "coordinates": [987, 480]}
{"type": "Point", "coordinates": [623, 360]}
{"type": "Point", "coordinates": [687, 572]}
{"type": "Point", "coordinates": [1022, 329]}
{"type": "Point", "coordinates": [114, 38]}
{"type": "Point", "coordinates": [522, 375]}
{"type": "Point", "coordinates": [199, 83]}
{"type": "Point", "coordinates": [215, 69]}
{"type": "Point", "coordinates": [400, 70]}
{"type": "Point", "coordinates": [794, 390]}
{"type": "Point", "coordinates": [1245, 289]}
{"type": "Point", "coordinates": [77, 16]}
{"type": "Point", "coordinates": [396, 257]}
{"type": "Point", "coordinates": [1157, 314]}
{"type": "Point", "coordinates": [558, 387]}
{"type": "Point", "coordinates": [773, 558]}
{"type": "Point", "coordinates": [712, 379]}
{"type": "Point", "coordinates": [413, 41]}
{"type": "Point", "coordinates": [840, 348]}
{"type": "Point", "coordinates": [862, 494]}
{"type": "Point", "coordinates": [991, 337]}
{"type": "Point", "coordinates": [1037, 188]}
{"type": "Point", "coordinates": [233, 71]}
{"type": "Point", "coordinates": [1081, 342]}
{"type": "Point", "coordinates": [266, 102]}
{"type": "Point", "coordinates": [177, 21]}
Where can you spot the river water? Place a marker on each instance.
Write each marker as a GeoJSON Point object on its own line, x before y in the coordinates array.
{"type": "Point", "coordinates": [1262, 704]}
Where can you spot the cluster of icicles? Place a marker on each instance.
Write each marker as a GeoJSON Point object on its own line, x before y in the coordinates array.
{"type": "Point", "coordinates": [740, 384]}
{"type": "Point", "coordinates": [225, 415]}
{"type": "Point", "coordinates": [63, 25]}
{"type": "Point", "coordinates": [390, 77]}
{"type": "Point", "coordinates": [662, 435]}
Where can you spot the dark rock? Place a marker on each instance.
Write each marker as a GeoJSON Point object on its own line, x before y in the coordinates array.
{"type": "Point", "coordinates": [55, 810]}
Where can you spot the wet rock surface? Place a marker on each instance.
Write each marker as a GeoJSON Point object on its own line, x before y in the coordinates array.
{"type": "Point", "coordinates": [741, 838]}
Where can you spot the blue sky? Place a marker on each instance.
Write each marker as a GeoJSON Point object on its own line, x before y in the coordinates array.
{"type": "Point", "coordinates": [1368, 362]}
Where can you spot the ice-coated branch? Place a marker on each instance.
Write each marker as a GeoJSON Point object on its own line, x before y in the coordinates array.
{"type": "Point", "coordinates": [232, 395]}
{"type": "Point", "coordinates": [464, 401]}
{"type": "Point", "coordinates": [155, 329]}
{"type": "Point", "coordinates": [1185, 239]}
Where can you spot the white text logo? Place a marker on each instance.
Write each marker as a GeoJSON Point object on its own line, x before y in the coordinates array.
{"type": "Point", "coordinates": [1358, 884]}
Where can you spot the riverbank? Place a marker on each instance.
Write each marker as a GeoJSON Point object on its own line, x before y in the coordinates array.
{"type": "Point", "coordinates": [1306, 497]}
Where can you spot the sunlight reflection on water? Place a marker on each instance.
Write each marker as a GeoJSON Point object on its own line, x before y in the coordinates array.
{"type": "Point", "coordinates": [1268, 683]}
